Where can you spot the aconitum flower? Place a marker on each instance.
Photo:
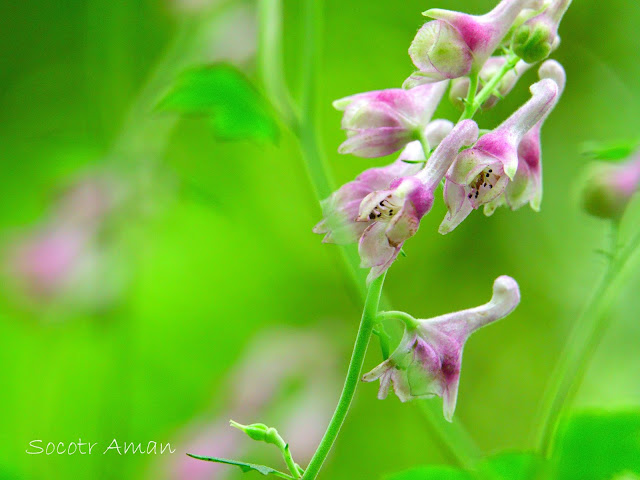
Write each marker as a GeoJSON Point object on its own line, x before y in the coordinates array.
{"type": "Point", "coordinates": [481, 174]}
{"type": "Point", "coordinates": [428, 359]}
{"type": "Point", "coordinates": [454, 44]}
{"type": "Point", "coordinates": [382, 122]}
{"type": "Point", "coordinates": [460, 86]}
{"type": "Point", "coordinates": [535, 39]}
{"type": "Point", "coordinates": [526, 186]}
{"type": "Point", "coordinates": [340, 211]}
{"type": "Point", "coordinates": [609, 187]}
{"type": "Point", "coordinates": [382, 219]}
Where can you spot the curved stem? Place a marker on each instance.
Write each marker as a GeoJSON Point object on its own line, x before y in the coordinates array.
{"type": "Point", "coordinates": [586, 335]}
{"type": "Point", "coordinates": [367, 322]}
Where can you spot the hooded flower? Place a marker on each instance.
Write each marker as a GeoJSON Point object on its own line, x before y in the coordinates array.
{"type": "Point", "coordinates": [393, 215]}
{"type": "Point", "coordinates": [536, 38]}
{"type": "Point", "coordinates": [428, 359]}
{"type": "Point", "coordinates": [609, 188]}
{"type": "Point", "coordinates": [382, 122]}
{"type": "Point", "coordinates": [382, 208]}
{"type": "Point", "coordinates": [460, 86]}
{"type": "Point", "coordinates": [342, 208]}
{"type": "Point", "coordinates": [526, 186]}
{"type": "Point", "coordinates": [481, 174]}
{"type": "Point", "coordinates": [454, 43]}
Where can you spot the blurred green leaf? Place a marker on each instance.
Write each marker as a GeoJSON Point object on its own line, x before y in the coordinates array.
{"type": "Point", "coordinates": [245, 467]}
{"type": "Point", "coordinates": [611, 151]}
{"type": "Point", "coordinates": [511, 466]}
{"type": "Point", "coordinates": [235, 108]}
{"type": "Point", "coordinates": [598, 446]}
{"type": "Point", "coordinates": [436, 472]}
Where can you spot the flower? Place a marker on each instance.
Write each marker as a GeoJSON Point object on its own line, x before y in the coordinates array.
{"type": "Point", "coordinates": [460, 86]}
{"type": "Point", "coordinates": [481, 174]}
{"type": "Point", "coordinates": [386, 217]}
{"type": "Point", "coordinates": [342, 208]}
{"type": "Point", "coordinates": [382, 122]}
{"type": "Point", "coordinates": [536, 38]}
{"type": "Point", "coordinates": [454, 44]}
{"type": "Point", "coordinates": [428, 359]}
{"type": "Point", "coordinates": [610, 187]}
{"type": "Point", "coordinates": [526, 186]}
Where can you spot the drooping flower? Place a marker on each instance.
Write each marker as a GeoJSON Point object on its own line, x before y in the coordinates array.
{"type": "Point", "coordinates": [340, 211]}
{"type": "Point", "coordinates": [428, 359]}
{"type": "Point", "coordinates": [526, 186]}
{"type": "Point", "coordinates": [382, 122]}
{"type": "Point", "coordinates": [534, 40]}
{"type": "Point", "coordinates": [460, 86]}
{"type": "Point", "coordinates": [481, 174]}
{"type": "Point", "coordinates": [609, 187]}
{"type": "Point", "coordinates": [387, 217]}
{"type": "Point", "coordinates": [455, 44]}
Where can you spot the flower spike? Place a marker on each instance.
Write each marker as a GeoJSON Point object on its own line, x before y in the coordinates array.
{"type": "Point", "coordinates": [382, 122]}
{"type": "Point", "coordinates": [428, 359]}
{"type": "Point", "coordinates": [455, 44]}
{"type": "Point", "coordinates": [481, 174]}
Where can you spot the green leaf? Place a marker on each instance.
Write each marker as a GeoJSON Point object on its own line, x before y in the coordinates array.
{"type": "Point", "coordinates": [610, 151]}
{"type": "Point", "coordinates": [598, 445]}
{"type": "Point", "coordinates": [511, 466]}
{"type": "Point", "coordinates": [245, 467]}
{"type": "Point", "coordinates": [220, 92]}
{"type": "Point", "coordinates": [436, 472]}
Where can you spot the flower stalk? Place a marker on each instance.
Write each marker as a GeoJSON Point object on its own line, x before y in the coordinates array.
{"type": "Point", "coordinates": [367, 323]}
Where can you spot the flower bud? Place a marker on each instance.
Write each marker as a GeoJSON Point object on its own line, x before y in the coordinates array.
{"type": "Point", "coordinates": [258, 432]}
{"type": "Point", "coordinates": [536, 38]}
{"type": "Point", "coordinates": [609, 188]}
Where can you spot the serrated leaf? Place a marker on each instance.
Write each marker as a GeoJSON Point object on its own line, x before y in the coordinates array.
{"type": "Point", "coordinates": [598, 445]}
{"type": "Point", "coordinates": [435, 472]}
{"type": "Point", "coordinates": [511, 466]}
{"type": "Point", "coordinates": [610, 151]}
{"type": "Point", "coordinates": [245, 467]}
{"type": "Point", "coordinates": [220, 92]}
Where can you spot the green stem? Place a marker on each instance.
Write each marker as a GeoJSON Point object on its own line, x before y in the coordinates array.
{"type": "Point", "coordinates": [408, 320]}
{"type": "Point", "coordinates": [367, 322]}
{"type": "Point", "coordinates": [588, 330]}
{"type": "Point", "coordinates": [474, 102]}
{"type": "Point", "coordinates": [271, 67]}
{"type": "Point", "coordinates": [470, 101]}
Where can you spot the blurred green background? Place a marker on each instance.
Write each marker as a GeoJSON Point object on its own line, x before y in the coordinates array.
{"type": "Point", "coordinates": [214, 249]}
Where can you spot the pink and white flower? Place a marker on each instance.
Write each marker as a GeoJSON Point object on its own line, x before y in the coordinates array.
{"type": "Point", "coordinates": [454, 44]}
{"type": "Point", "coordinates": [428, 359]}
{"type": "Point", "coordinates": [526, 186]}
{"type": "Point", "coordinates": [382, 122]}
{"type": "Point", "coordinates": [382, 208]}
{"type": "Point", "coordinates": [481, 174]}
